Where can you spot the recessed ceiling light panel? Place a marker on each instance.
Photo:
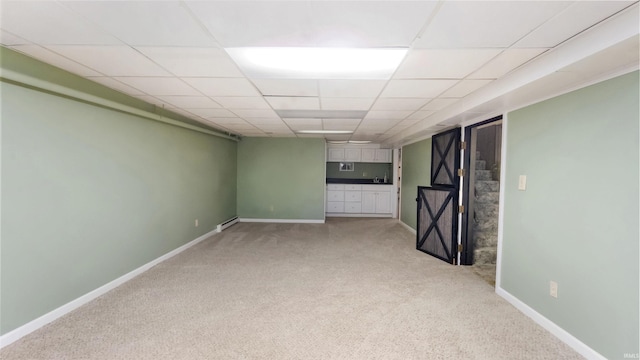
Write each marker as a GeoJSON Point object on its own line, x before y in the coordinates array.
{"type": "Point", "coordinates": [317, 63]}
{"type": "Point", "coordinates": [322, 114]}
{"type": "Point", "coordinates": [324, 132]}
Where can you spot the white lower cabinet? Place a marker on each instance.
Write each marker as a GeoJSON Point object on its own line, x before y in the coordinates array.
{"type": "Point", "coordinates": [359, 199]}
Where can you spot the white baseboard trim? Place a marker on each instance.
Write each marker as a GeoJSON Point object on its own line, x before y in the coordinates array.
{"type": "Point", "coordinates": [413, 231]}
{"type": "Point", "coordinates": [284, 221]}
{"type": "Point", "coordinates": [45, 319]}
{"type": "Point", "coordinates": [550, 326]}
{"type": "Point", "coordinates": [359, 215]}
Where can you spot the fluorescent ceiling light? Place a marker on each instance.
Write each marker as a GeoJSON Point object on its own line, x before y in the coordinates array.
{"type": "Point", "coordinates": [358, 142]}
{"type": "Point", "coordinates": [321, 114]}
{"type": "Point", "coordinates": [318, 63]}
{"type": "Point", "coordinates": [324, 132]}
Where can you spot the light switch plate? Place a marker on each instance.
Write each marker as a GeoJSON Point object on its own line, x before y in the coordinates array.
{"type": "Point", "coordinates": [522, 182]}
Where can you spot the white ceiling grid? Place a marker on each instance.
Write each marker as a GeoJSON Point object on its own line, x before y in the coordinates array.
{"type": "Point", "coordinates": [171, 53]}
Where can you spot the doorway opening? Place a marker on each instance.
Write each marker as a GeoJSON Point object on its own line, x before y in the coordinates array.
{"type": "Point", "coordinates": [481, 196]}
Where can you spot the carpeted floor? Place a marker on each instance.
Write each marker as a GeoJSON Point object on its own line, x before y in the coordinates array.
{"type": "Point", "coordinates": [347, 289]}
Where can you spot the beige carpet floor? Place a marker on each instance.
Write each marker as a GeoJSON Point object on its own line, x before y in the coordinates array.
{"type": "Point", "coordinates": [347, 289]}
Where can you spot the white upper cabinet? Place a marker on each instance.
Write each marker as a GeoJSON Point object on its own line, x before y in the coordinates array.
{"type": "Point", "coordinates": [352, 154]}
{"type": "Point", "coordinates": [335, 154]}
{"type": "Point", "coordinates": [376, 155]}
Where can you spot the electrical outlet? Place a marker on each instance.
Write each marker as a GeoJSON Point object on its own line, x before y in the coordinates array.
{"type": "Point", "coordinates": [553, 289]}
{"type": "Point", "coordinates": [196, 222]}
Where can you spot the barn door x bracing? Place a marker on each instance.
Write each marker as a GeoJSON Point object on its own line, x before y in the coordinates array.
{"type": "Point", "coordinates": [437, 227]}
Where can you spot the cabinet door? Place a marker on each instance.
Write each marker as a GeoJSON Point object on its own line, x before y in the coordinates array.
{"type": "Point", "coordinates": [368, 155]}
{"type": "Point", "coordinates": [353, 196]}
{"type": "Point", "coordinates": [335, 154]}
{"type": "Point", "coordinates": [383, 155]}
{"type": "Point", "coordinates": [335, 195]}
{"type": "Point", "coordinates": [352, 207]}
{"type": "Point", "coordinates": [352, 154]}
{"type": "Point", "coordinates": [368, 202]}
{"type": "Point", "coordinates": [383, 202]}
{"type": "Point", "coordinates": [335, 207]}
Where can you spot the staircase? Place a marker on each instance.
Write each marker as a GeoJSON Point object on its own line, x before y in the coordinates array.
{"type": "Point", "coordinates": [485, 224]}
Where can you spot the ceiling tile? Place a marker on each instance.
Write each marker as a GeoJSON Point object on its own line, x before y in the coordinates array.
{"type": "Point", "coordinates": [346, 103]}
{"type": "Point", "coordinates": [398, 104]}
{"type": "Point", "coordinates": [368, 23]}
{"type": "Point", "coordinates": [443, 63]}
{"type": "Point", "coordinates": [272, 127]}
{"type": "Point", "coordinates": [240, 23]}
{"type": "Point", "coordinates": [248, 113]}
{"type": "Point", "coordinates": [573, 20]}
{"type": "Point", "coordinates": [116, 85]}
{"type": "Point", "coordinates": [416, 88]}
{"type": "Point", "coordinates": [351, 88]}
{"type": "Point", "coordinates": [241, 127]}
{"type": "Point", "coordinates": [287, 87]}
{"type": "Point", "coordinates": [439, 104]}
{"type": "Point", "coordinates": [293, 103]}
{"type": "Point", "coordinates": [505, 62]}
{"type": "Point", "coordinates": [54, 59]}
{"type": "Point", "coordinates": [242, 102]}
{"type": "Point", "coordinates": [304, 124]}
{"type": "Point", "coordinates": [485, 24]}
{"type": "Point", "coordinates": [150, 23]}
{"type": "Point", "coordinates": [419, 115]}
{"type": "Point", "coordinates": [223, 86]}
{"type": "Point", "coordinates": [190, 102]}
{"type": "Point", "coordinates": [265, 121]}
{"type": "Point", "coordinates": [464, 88]}
{"type": "Point", "coordinates": [193, 62]}
{"type": "Point", "coordinates": [340, 124]}
{"type": "Point", "coordinates": [159, 85]}
{"type": "Point", "coordinates": [314, 23]}
{"type": "Point", "coordinates": [111, 60]}
{"type": "Point", "coordinates": [48, 23]}
{"type": "Point", "coordinates": [387, 115]}
{"type": "Point", "coordinates": [213, 113]}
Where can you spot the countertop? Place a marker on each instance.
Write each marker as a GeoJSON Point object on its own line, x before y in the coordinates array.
{"type": "Point", "coordinates": [355, 181]}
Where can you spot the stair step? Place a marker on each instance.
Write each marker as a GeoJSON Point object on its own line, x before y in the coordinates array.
{"type": "Point", "coordinates": [487, 186]}
{"type": "Point", "coordinates": [487, 197]}
{"type": "Point", "coordinates": [486, 211]}
{"type": "Point", "coordinates": [485, 239]}
{"type": "Point", "coordinates": [485, 255]}
{"type": "Point", "coordinates": [487, 225]}
{"type": "Point", "coordinates": [481, 164]}
{"type": "Point", "coordinates": [483, 175]}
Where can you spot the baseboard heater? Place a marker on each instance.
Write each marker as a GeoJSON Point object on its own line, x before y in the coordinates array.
{"type": "Point", "coordinates": [227, 223]}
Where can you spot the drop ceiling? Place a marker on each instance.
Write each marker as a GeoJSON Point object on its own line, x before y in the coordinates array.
{"type": "Point", "coordinates": [466, 60]}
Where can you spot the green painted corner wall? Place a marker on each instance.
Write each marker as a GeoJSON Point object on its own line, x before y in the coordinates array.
{"type": "Point", "coordinates": [281, 178]}
{"type": "Point", "coordinates": [416, 171]}
{"type": "Point", "coordinates": [90, 194]}
{"type": "Point", "coordinates": [577, 222]}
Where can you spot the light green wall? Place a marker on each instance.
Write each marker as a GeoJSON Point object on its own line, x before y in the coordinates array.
{"type": "Point", "coordinates": [360, 171]}
{"type": "Point", "coordinates": [90, 194]}
{"type": "Point", "coordinates": [281, 178]}
{"type": "Point", "coordinates": [416, 171]}
{"type": "Point", "coordinates": [577, 222]}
